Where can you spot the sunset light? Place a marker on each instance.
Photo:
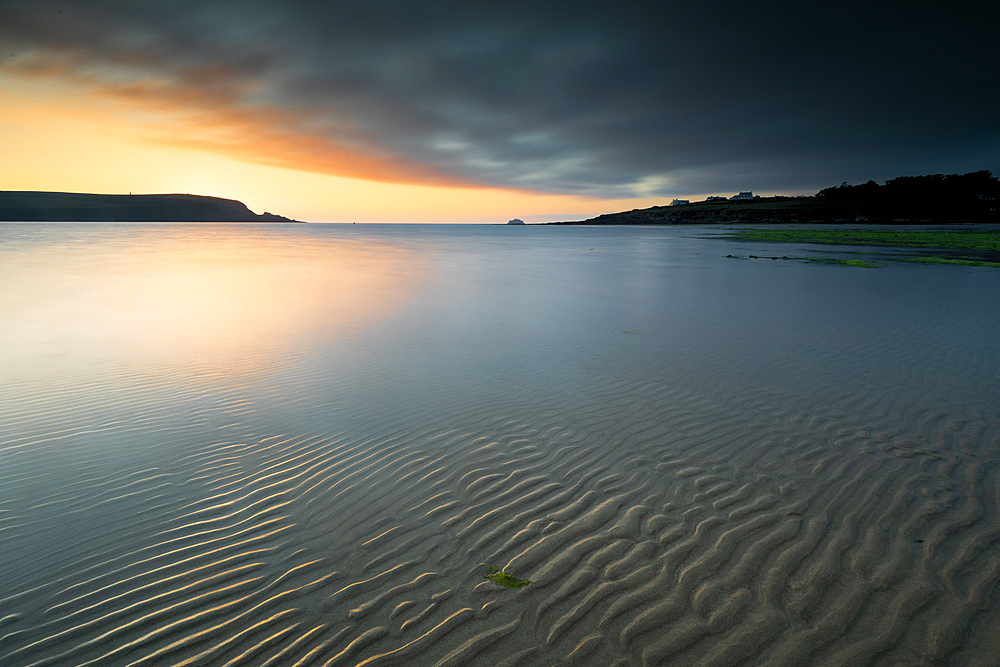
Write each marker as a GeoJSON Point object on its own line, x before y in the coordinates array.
{"type": "Point", "coordinates": [64, 138]}
{"type": "Point", "coordinates": [424, 333]}
{"type": "Point", "coordinates": [432, 113]}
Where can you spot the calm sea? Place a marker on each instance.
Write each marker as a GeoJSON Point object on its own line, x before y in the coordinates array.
{"type": "Point", "coordinates": [305, 445]}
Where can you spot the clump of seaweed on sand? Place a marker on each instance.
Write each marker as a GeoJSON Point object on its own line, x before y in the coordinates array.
{"type": "Point", "coordinates": [498, 576]}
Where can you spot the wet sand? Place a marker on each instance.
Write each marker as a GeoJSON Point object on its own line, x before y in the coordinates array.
{"type": "Point", "coordinates": [695, 462]}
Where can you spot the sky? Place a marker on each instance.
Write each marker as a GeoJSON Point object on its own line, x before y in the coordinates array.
{"type": "Point", "coordinates": [400, 110]}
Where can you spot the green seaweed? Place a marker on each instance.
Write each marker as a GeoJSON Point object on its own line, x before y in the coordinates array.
{"type": "Point", "coordinates": [977, 239]}
{"type": "Point", "coordinates": [977, 247]}
{"type": "Point", "coordinates": [498, 576]}
{"type": "Point", "coordinates": [921, 453]}
{"type": "Point", "coordinates": [868, 264]}
{"type": "Point", "coordinates": [945, 260]}
{"type": "Point", "coordinates": [860, 262]}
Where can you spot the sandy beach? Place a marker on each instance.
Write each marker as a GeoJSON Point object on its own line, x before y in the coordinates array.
{"type": "Point", "coordinates": [694, 460]}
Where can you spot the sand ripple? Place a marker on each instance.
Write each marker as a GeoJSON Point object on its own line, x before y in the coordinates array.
{"type": "Point", "coordinates": [828, 497]}
{"type": "Point", "coordinates": [659, 526]}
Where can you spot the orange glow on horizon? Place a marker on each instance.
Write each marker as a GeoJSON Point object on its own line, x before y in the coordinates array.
{"type": "Point", "coordinates": [60, 136]}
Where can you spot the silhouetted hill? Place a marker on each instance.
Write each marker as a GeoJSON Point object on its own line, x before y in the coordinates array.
{"type": "Point", "coordinates": [969, 197]}
{"type": "Point", "coordinates": [76, 207]}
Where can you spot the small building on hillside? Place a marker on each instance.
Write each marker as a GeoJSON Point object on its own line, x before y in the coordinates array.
{"type": "Point", "coordinates": [741, 196]}
{"type": "Point", "coordinates": [713, 198]}
{"type": "Point", "coordinates": [678, 202]}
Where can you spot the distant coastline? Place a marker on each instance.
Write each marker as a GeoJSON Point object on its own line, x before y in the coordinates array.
{"type": "Point", "coordinates": [31, 206]}
{"type": "Point", "coordinates": [967, 198]}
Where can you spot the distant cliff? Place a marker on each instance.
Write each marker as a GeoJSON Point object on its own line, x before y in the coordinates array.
{"type": "Point", "coordinates": [74, 207]}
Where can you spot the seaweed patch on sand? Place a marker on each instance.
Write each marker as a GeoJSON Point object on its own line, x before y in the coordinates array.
{"type": "Point", "coordinates": [977, 239]}
{"type": "Point", "coordinates": [868, 264]}
{"type": "Point", "coordinates": [945, 260]}
{"type": "Point", "coordinates": [977, 247]}
{"type": "Point", "coordinates": [498, 576]}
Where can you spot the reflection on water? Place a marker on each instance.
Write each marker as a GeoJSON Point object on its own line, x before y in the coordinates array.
{"type": "Point", "coordinates": [305, 444]}
{"type": "Point", "coordinates": [185, 293]}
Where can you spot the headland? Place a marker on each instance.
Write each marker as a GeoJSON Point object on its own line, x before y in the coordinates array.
{"type": "Point", "coordinates": [79, 207]}
{"type": "Point", "coordinates": [966, 198]}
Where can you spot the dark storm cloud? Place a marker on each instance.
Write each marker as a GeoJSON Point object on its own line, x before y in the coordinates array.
{"type": "Point", "coordinates": [611, 99]}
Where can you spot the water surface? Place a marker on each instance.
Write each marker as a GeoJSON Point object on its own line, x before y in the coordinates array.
{"type": "Point", "coordinates": [270, 444]}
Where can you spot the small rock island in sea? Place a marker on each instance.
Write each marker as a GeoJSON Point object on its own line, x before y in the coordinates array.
{"type": "Point", "coordinates": [79, 207]}
{"type": "Point", "coordinates": [515, 221]}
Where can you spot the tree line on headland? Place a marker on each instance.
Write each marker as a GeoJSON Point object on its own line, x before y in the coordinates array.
{"type": "Point", "coordinates": [971, 197]}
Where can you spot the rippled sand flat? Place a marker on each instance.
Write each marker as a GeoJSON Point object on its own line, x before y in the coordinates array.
{"type": "Point", "coordinates": [695, 461]}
